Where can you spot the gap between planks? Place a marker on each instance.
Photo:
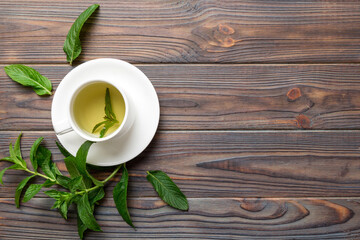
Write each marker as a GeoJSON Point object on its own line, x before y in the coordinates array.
{"type": "Point", "coordinates": [195, 63]}
{"type": "Point", "coordinates": [221, 198]}
{"type": "Point", "coordinates": [213, 131]}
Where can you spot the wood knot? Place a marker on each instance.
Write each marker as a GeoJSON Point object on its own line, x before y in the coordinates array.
{"type": "Point", "coordinates": [303, 121]}
{"type": "Point", "coordinates": [227, 42]}
{"type": "Point", "coordinates": [293, 94]}
{"type": "Point", "coordinates": [224, 29]}
{"type": "Point", "coordinates": [253, 205]}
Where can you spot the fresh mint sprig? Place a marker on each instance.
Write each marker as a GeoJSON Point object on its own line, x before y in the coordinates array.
{"type": "Point", "coordinates": [110, 117]}
{"type": "Point", "coordinates": [81, 188]}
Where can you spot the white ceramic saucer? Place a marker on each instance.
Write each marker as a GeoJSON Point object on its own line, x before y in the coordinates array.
{"type": "Point", "coordinates": [145, 104]}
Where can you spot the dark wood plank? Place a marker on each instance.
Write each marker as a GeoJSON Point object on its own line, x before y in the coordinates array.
{"type": "Point", "coordinates": [172, 31]}
{"type": "Point", "coordinates": [219, 97]}
{"type": "Point", "coordinates": [218, 218]}
{"type": "Point", "coordinates": [232, 164]}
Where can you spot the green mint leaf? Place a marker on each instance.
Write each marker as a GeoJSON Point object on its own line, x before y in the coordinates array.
{"type": "Point", "coordinates": [108, 108]}
{"type": "Point", "coordinates": [80, 162]}
{"type": "Point", "coordinates": [72, 168]}
{"type": "Point", "coordinates": [63, 181]}
{"type": "Point", "coordinates": [12, 152]}
{"type": "Point", "coordinates": [43, 158]}
{"type": "Point", "coordinates": [28, 76]}
{"type": "Point", "coordinates": [54, 169]}
{"type": "Point", "coordinates": [15, 159]}
{"type": "Point", "coordinates": [20, 188]}
{"type": "Point", "coordinates": [2, 174]}
{"type": "Point", "coordinates": [17, 147]}
{"type": "Point", "coordinates": [107, 126]}
{"type": "Point", "coordinates": [64, 209]}
{"type": "Point", "coordinates": [167, 190]}
{"type": "Point", "coordinates": [48, 183]}
{"type": "Point", "coordinates": [72, 44]}
{"type": "Point", "coordinates": [96, 195]}
{"type": "Point", "coordinates": [75, 183]}
{"type": "Point", "coordinates": [33, 151]}
{"type": "Point", "coordinates": [8, 159]}
{"type": "Point", "coordinates": [81, 227]}
{"type": "Point", "coordinates": [63, 201]}
{"type": "Point", "coordinates": [120, 197]}
{"type": "Point", "coordinates": [32, 190]}
{"type": "Point", "coordinates": [110, 118]}
{"type": "Point", "coordinates": [63, 150]}
{"type": "Point", "coordinates": [85, 213]}
{"type": "Point", "coordinates": [15, 166]}
{"type": "Point", "coordinates": [53, 194]}
{"type": "Point", "coordinates": [98, 125]}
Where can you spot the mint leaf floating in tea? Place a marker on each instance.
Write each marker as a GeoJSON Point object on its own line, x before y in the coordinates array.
{"type": "Point", "coordinates": [167, 190]}
{"type": "Point", "coordinates": [109, 119]}
{"type": "Point", "coordinates": [72, 44]}
{"type": "Point", "coordinates": [29, 77]}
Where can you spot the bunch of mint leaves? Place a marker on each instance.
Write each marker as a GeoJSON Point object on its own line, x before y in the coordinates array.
{"type": "Point", "coordinates": [80, 187]}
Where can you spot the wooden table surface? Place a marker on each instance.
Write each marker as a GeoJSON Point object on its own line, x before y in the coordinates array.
{"type": "Point", "coordinates": [260, 114]}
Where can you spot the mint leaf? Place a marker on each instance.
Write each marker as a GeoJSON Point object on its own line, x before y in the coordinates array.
{"type": "Point", "coordinates": [106, 127]}
{"type": "Point", "coordinates": [48, 183]}
{"type": "Point", "coordinates": [72, 44]}
{"type": "Point", "coordinates": [110, 118]}
{"type": "Point", "coordinates": [63, 209]}
{"type": "Point", "coordinates": [63, 201]}
{"type": "Point", "coordinates": [86, 213]}
{"type": "Point", "coordinates": [63, 181]}
{"type": "Point", "coordinates": [167, 190]}
{"type": "Point", "coordinates": [28, 76]}
{"type": "Point", "coordinates": [96, 195]}
{"type": "Point", "coordinates": [16, 160]}
{"type": "Point", "coordinates": [62, 149]}
{"type": "Point", "coordinates": [80, 163]}
{"type": "Point", "coordinates": [53, 194]}
{"type": "Point", "coordinates": [17, 147]}
{"type": "Point", "coordinates": [108, 107]}
{"type": "Point", "coordinates": [72, 168]}
{"type": "Point", "coordinates": [32, 190]}
{"type": "Point", "coordinates": [15, 166]}
{"type": "Point", "coordinates": [33, 151]}
{"type": "Point", "coordinates": [75, 184]}
{"type": "Point", "coordinates": [98, 125]}
{"type": "Point", "coordinates": [8, 159]}
{"type": "Point", "coordinates": [43, 158]}
{"type": "Point", "coordinates": [20, 188]}
{"type": "Point", "coordinates": [81, 227]}
{"type": "Point", "coordinates": [120, 197]}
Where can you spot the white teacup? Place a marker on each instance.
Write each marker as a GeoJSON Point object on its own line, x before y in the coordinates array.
{"type": "Point", "coordinates": [70, 124]}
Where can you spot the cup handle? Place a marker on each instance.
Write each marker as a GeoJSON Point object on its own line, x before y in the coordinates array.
{"type": "Point", "coordinates": [63, 127]}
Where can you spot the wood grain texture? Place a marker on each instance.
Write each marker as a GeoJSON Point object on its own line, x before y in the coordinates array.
{"type": "Point", "coordinates": [186, 31]}
{"type": "Point", "coordinates": [231, 164]}
{"type": "Point", "coordinates": [218, 218]}
{"type": "Point", "coordinates": [223, 97]}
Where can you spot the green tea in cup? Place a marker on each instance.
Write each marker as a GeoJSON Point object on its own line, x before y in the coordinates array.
{"type": "Point", "coordinates": [88, 108]}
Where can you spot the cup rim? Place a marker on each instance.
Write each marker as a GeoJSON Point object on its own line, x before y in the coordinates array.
{"type": "Point", "coordinates": [78, 130]}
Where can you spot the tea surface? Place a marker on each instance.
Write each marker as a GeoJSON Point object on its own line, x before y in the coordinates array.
{"type": "Point", "coordinates": [89, 104]}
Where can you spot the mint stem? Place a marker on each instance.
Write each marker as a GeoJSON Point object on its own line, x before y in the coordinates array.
{"type": "Point", "coordinates": [111, 175]}
{"type": "Point", "coordinates": [41, 175]}
{"type": "Point", "coordinates": [104, 181]}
